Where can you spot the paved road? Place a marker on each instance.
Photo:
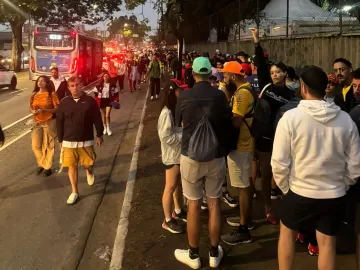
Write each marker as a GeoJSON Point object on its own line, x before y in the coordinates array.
{"type": "Point", "coordinates": [38, 229]}
{"type": "Point", "coordinates": [15, 104]}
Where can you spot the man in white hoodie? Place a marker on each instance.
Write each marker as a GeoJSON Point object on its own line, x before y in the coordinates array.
{"type": "Point", "coordinates": [316, 157]}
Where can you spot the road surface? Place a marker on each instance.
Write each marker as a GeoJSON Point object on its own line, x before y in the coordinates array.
{"type": "Point", "coordinates": [38, 229]}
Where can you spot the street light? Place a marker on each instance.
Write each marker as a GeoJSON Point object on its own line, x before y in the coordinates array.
{"type": "Point", "coordinates": [126, 25]}
{"type": "Point", "coordinates": [347, 8]}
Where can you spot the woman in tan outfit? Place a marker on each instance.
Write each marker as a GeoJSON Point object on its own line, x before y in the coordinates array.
{"type": "Point", "coordinates": [43, 105]}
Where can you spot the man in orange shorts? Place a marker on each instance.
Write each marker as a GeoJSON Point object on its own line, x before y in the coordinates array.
{"type": "Point", "coordinates": [76, 117]}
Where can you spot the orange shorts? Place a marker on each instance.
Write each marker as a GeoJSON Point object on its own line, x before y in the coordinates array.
{"type": "Point", "coordinates": [72, 156]}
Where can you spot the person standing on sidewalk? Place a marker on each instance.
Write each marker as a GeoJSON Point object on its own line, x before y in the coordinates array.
{"type": "Point", "coordinates": [105, 93]}
{"type": "Point", "coordinates": [60, 83]}
{"type": "Point", "coordinates": [170, 138]}
{"type": "Point", "coordinates": [203, 104]}
{"type": "Point", "coordinates": [43, 105]}
{"type": "Point", "coordinates": [155, 70]}
{"type": "Point", "coordinates": [76, 118]}
{"type": "Point", "coordinates": [239, 160]}
{"type": "Point", "coordinates": [315, 158]}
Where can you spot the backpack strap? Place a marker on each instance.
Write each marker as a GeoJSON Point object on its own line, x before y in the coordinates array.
{"type": "Point", "coordinates": [263, 90]}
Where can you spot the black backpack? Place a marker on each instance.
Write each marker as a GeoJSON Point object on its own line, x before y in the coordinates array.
{"type": "Point", "coordinates": [261, 123]}
{"type": "Point", "coordinates": [203, 144]}
{"type": "Point", "coordinates": [188, 78]}
{"type": "Point", "coordinates": [235, 132]}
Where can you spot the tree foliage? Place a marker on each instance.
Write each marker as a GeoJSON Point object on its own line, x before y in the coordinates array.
{"type": "Point", "coordinates": [52, 12]}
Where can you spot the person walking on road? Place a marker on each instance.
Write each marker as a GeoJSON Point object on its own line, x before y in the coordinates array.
{"type": "Point", "coordinates": [76, 118]}
{"type": "Point", "coordinates": [2, 137]}
{"type": "Point", "coordinates": [60, 83]}
{"type": "Point", "coordinates": [315, 158]}
{"type": "Point", "coordinates": [202, 108]}
{"type": "Point", "coordinates": [121, 70]}
{"type": "Point", "coordinates": [155, 70]}
{"type": "Point", "coordinates": [43, 105]}
{"type": "Point", "coordinates": [170, 138]}
{"type": "Point", "coordinates": [133, 74]}
{"type": "Point", "coordinates": [106, 93]}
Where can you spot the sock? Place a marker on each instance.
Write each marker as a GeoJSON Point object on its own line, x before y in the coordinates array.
{"type": "Point", "coordinates": [167, 219]}
{"type": "Point", "coordinates": [214, 251]}
{"type": "Point", "coordinates": [194, 253]}
{"type": "Point", "coordinates": [177, 211]}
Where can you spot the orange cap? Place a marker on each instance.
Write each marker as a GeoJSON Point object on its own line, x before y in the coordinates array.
{"type": "Point", "coordinates": [233, 67]}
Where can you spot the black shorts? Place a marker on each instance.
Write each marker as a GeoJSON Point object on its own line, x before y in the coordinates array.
{"type": "Point", "coordinates": [168, 167]}
{"type": "Point", "coordinates": [305, 215]}
{"type": "Point", "coordinates": [105, 102]}
{"type": "Point", "coordinates": [357, 218]}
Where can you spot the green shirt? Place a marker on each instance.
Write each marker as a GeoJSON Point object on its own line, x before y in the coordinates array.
{"type": "Point", "coordinates": [155, 69]}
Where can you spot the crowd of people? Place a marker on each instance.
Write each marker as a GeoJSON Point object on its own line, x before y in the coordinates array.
{"type": "Point", "coordinates": [247, 116]}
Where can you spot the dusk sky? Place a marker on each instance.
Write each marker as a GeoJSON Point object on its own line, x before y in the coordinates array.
{"type": "Point", "coordinates": [149, 13]}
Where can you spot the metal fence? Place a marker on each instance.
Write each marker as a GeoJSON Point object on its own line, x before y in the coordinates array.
{"type": "Point", "coordinates": [297, 52]}
{"type": "Point", "coordinates": [280, 18]}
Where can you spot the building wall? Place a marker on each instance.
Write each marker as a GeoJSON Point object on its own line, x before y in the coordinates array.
{"type": "Point", "coordinates": [296, 52]}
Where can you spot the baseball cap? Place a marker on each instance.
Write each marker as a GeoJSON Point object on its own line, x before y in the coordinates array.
{"type": "Point", "coordinates": [177, 83]}
{"type": "Point", "coordinates": [246, 67]}
{"type": "Point", "coordinates": [201, 65]}
{"type": "Point", "coordinates": [333, 79]}
{"type": "Point", "coordinates": [315, 78]}
{"type": "Point", "coordinates": [233, 67]}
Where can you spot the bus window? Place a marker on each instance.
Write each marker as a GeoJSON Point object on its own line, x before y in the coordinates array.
{"type": "Point", "coordinates": [54, 41]}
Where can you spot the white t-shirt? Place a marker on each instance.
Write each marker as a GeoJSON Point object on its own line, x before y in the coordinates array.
{"type": "Point", "coordinates": [105, 92]}
{"type": "Point", "coordinates": [57, 82]}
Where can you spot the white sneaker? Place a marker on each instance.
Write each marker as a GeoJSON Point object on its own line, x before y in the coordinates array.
{"type": "Point", "coordinates": [104, 130]}
{"type": "Point", "coordinates": [157, 96]}
{"type": "Point", "coordinates": [152, 98]}
{"type": "Point", "coordinates": [108, 130]}
{"type": "Point", "coordinates": [183, 256]}
{"type": "Point", "coordinates": [215, 261]}
{"type": "Point", "coordinates": [90, 179]}
{"type": "Point", "coordinates": [72, 198]}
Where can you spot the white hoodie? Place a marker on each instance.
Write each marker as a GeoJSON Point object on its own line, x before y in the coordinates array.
{"type": "Point", "coordinates": [316, 151]}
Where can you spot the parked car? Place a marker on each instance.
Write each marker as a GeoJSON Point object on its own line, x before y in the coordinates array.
{"type": "Point", "coordinates": [7, 78]}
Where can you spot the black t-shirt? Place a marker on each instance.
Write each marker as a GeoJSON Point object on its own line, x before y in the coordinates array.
{"type": "Point", "coordinates": [277, 97]}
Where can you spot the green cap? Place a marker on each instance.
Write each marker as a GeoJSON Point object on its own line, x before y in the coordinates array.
{"type": "Point", "coordinates": [201, 65]}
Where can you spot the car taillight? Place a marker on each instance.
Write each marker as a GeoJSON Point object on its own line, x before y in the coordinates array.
{"type": "Point", "coordinates": [32, 64]}
{"type": "Point", "coordinates": [74, 65]}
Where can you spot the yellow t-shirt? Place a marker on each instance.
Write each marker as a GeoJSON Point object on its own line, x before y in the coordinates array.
{"type": "Point", "coordinates": [345, 90]}
{"type": "Point", "coordinates": [243, 103]}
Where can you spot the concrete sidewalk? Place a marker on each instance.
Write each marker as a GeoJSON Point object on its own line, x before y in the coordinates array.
{"type": "Point", "coordinates": [148, 246]}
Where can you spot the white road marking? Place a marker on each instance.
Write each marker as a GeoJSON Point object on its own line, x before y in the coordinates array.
{"type": "Point", "coordinates": [14, 140]}
{"type": "Point", "coordinates": [18, 121]}
{"type": "Point", "coordinates": [122, 229]}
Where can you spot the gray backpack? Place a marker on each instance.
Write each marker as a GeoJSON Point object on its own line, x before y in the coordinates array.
{"type": "Point", "coordinates": [203, 144]}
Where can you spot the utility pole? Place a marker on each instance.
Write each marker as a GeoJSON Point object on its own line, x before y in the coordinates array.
{"type": "Point", "coordinates": [287, 17]}
{"type": "Point", "coordinates": [340, 16]}
{"type": "Point", "coordinates": [162, 20]}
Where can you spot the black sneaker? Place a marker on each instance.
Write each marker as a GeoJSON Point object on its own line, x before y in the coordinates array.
{"type": "Point", "coordinates": [47, 172]}
{"type": "Point", "coordinates": [238, 236]}
{"type": "Point", "coordinates": [181, 216]}
{"type": "Point", "coordinates": [173, 226]}
{"type": "Point", "coordinates": [39, 170]}
{"type": "Point", "coordinates": [276, 194]}
{"type": "Point", "coordinates": [227, 198]}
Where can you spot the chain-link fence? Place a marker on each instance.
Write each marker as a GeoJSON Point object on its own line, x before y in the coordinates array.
{"type": "Point", "coordinates": [280, 18]}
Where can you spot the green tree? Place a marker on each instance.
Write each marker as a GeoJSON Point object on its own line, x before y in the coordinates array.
{"type": "Point", "coordinates": [55, 12]}
{"type": "Point", "coordinates": [129, 26]}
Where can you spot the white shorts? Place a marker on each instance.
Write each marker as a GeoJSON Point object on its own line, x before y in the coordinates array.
{"type": "Point", "coordinates": [240, 168]}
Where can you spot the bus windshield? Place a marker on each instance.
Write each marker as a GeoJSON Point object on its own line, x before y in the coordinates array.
{"type": "Point", "coordinates": [54, 41]}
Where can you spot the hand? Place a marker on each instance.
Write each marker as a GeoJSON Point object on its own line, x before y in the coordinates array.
{"type": "Point", "coordinates": [60, 145]}
{"type": "Point", "coordinates": [99, 141]}
{"type": "Point", "coordinates": [34, 111]}
{"type": "Point", "coordinates": [255, 33]}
